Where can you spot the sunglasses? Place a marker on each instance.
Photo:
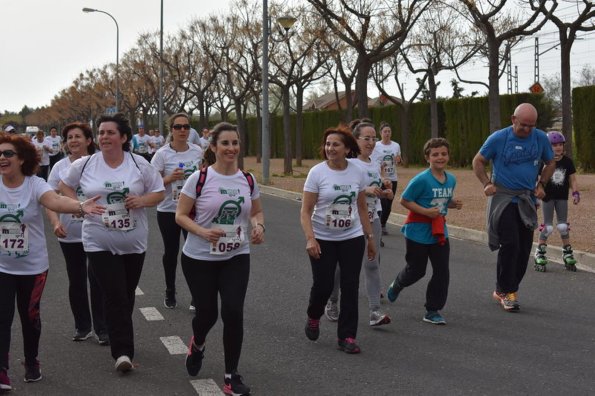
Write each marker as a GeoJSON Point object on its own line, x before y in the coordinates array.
{"type": "Point", "coordinates": [8, 153]}
{"type": "Point", "coordinates": [177, 127]}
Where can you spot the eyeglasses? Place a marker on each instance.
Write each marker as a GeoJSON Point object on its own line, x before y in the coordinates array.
{"type": "Point", "coordinates": [368, 138]}
{"type": "Point", "coordinates": [8, 153]}
{"type": "Point", "coordinates": [177, 127]}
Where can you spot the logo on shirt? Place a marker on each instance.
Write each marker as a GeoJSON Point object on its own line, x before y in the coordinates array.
{"type": "Point", "coordinates": [342, 188]}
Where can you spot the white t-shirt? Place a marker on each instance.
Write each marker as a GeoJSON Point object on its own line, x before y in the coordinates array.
{"type": "Point", "coordinates": [386, 155]}
{"type": "Point", "coordinates": [140, 144]}
{"type": "Point", "coordinates": [118, 230]}
{"type": "Point", "coordinates": [72, 224]}
{"type": "Point", "coordinates": [204, 143]}
{"type": "Point", "coordinates": [335, 216]}
{"type": "Point", "coordinates": [54, 143]}
{"type": "Point", "coordinates": [158, 142]}
{"type": "Point", "coordinates": [23, 249]}
{"type": "Point", "coordinates": [193, 137]}
{"type": "Point", "coordinates": [224, 202]}
{"type": "Point", "coordinates": [43, 154]}
{"type": "Point", "coordinates": [372, 174]}
{"type": "Point", "coordinates": [166, 160]}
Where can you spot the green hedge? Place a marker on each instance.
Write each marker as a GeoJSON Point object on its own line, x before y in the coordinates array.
{"type": "Point", "coordinates": [583, 117]}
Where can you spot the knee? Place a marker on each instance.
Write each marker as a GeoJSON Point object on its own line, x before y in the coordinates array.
{"type": "Point", "coordinates": [232, 315]}
{"type": "Point", "coordinates": [546, 229]}
{"type": "Point", "coordinates": [563, 229]}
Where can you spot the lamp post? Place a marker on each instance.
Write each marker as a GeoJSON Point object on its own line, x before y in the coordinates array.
{"type": "Point", "coordinates": [160, 118]}
{"type": "Point", "coordinates": [286, 22]}
{"type": "Point", "coordinates": [117, 51]}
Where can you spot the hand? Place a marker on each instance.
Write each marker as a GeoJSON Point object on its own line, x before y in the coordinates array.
{"type": "Point", "coordinates": [90, 206]}
{"type": "Point", "coordinates": [433, 212]}
{"type": "Point", "coordinates": [178, 174]}
{"type": "Point", "coordinates": [371, 250]}
{"type": "Point", "coordinates": [373, 191]}
{"type": "Point", "coordinates": [134, 202]}
{"type": "Point", "coordinates": [458, 203]}
{"type": "Point", "coordinates": [537, 203]}
{"type": "Point", "coordinates": [59, 230]}
{"type": "Point", "coordinates": [257, 235]}
{"type": "Point", "coordinates": [212, 235]}
{"type": "Point", "coordinates": [489, 190]}
{"type": "Point", "coordinates": [313, 248]}
{"type": "Point", "coordinates": [576, 197]}
{"type": "Point", "coordinates": [539, 191]}
{"type": "Point", "coordinates": [387, 184]}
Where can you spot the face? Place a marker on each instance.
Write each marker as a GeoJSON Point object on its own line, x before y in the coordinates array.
{"type": "Point", "coordinates": [227, 147]}
{"type": "Point", "coordinates": [141, 131]}
{"type": "Point", "coordinates": [76, 142]}
{"type": "Point", "coordinates": [334, 147]}
{"type": "Point", "coordinates": [522, 125]}
{"type": "Point", "coordinates": [53, 132]}
{"type": "Point", "coordinates": [180, 129]}
{"type": "Point", "coordinates": [109, 137]}
{"type": "Point", "coordinates": [438, 158]}
{"type": "Point", "coordinates": [39, 136]}
{"type": "Point", "coordinates": [386, 133]}
{"type": "Point", "coordinates": [10, 163]}
{"type": "Point", "coordinates": [558, 149]}
{"type": "Point", "coordinates": [366, 141]}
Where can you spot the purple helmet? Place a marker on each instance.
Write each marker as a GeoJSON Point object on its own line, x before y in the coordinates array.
{"type": "Point", "coordinates": [556, 137]}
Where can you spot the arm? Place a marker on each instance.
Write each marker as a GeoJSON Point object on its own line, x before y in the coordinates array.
{"type": "Point", "coordinates": [479, 168]}
{"type": "Point", "coordinates": [432, 212]}
{"type": "Point", "coordinates": [309, 200]}
{"type": "Point", "coordinates": [546, 174]}
{"type": "Point", "coordinates": [65, 204]}
{"type": "Point", "coordinates": [363, 217]}
{"type": "Point", "coordinates": [185, 204]}
{"type": "Point", "coordinates": [576, 196]}
{"type": "Point", "coordinates": [144, 201]}
{"type": "Point", "coordinates": [57, 226]}
{"type": "Point", "coordinates": [257, 221]}
{"type": "Point", "coordinates": [455, 203]}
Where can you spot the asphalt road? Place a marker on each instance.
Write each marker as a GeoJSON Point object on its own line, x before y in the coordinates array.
{"type": "Point", "coordinates": [547, 348]}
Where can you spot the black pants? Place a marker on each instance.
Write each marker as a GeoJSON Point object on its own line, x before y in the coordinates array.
{"type": "Point", "coordinates": [118, 276]}
{"type": "Point", "coordinates": [76, 267]}
{"type": "Point", "coordinates": [348, 254]}
{"type": "Point", "coordinates": [43, 172]}
{"type": "Point", "coordinates": [28, 290]}
{"type": "Point", "coordinates": [55, 158]}
{"type": "Point", "coordinates": [229, 279]}
{"type": "Point", "coordinates": [417, 256]}
{"type": "Point", "coordinates": [516, 241]}
{"type": "Point", "coordinates": [387, 205]}
{"type": "Point", "coordinates": [170, 233]}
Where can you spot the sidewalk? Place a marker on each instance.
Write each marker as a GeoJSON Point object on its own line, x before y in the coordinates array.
{"type": "Point", "coordinates": [585, 261]}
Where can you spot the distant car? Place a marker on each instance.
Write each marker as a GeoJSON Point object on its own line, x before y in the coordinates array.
{"type": "Point", "coordinates": [31, 131]}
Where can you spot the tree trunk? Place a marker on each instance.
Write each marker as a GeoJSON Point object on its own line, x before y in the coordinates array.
{"type": "Point", "coordinates": [494, 83]}
{"type": "Point", "coordinates": [361, 87]}
{"type": "Point", "coordinates": [287, 168]}
{"type": "Point", "coordinates": [565, 47]}
{"type": "Point", "coordinates": [242, 132]}
{"type": "Point", "coordinates": [259, 134]}
{"type": "Point", "coordinates": [299, 126]}
{"type": "Point", "coordinates": [405, 127]}
{"type": "Point", "coordinates": [433, 104]}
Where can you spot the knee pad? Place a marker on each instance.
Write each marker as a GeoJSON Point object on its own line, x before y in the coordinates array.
{"type": "Point", "coordinates": [546, 230]}
{"type": "Point", "coordinates": [563, 228]}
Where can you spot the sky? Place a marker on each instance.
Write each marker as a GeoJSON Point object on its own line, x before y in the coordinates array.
{"type": "Point", "coordinates": [45, 44]}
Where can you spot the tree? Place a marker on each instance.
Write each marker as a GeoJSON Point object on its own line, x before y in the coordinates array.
{"type": "Point", "coordinates": [457, 91]}
{"type": "Point", "coordinates": [586, 76]}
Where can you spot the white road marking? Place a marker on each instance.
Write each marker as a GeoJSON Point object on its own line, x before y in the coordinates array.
{"type": "Point", "coordinates": [174, 345]}
{"type": "Point", "coordinates": [206, 387]}
{"type": "Point", "coordinates": [151, 313]}
{"type": "Point", "coordinates": [138, 292]}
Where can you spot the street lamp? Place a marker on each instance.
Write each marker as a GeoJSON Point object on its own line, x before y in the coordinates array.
{"type": "Point", "coordinates": [286, 22]}
{"type": "Point", "coordinates": [117, 50]}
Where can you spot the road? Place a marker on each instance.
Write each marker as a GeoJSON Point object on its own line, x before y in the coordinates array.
{"type": "Point", "coordinates": [547, 348]}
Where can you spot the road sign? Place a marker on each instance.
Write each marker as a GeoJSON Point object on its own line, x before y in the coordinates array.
{"type": "Point", "coordinates": [536, 88]}
{"type": "Point", "coordinates": [110, 110]}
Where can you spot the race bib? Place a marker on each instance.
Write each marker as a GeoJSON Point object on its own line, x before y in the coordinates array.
{"type": "Point", "coordinates": [176, 189]}
{"type": "Point", "coordinates": [234, 236]}
{"type": "Point", "coordinates": [14, 239]}
{"type": "Point", "coordinates": [142, 149]}
{"type": "Point", "coordinates": [117, 218]}
{"type": "Point", "coordinates": [389, 168]}
{"type": "Point", "coordinates": [371, 204]}
{"type": "Point", "coordinates": [339, 216]}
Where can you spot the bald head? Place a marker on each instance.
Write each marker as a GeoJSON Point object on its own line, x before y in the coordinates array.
{"type": "Point", "coordinates": [524, 119]}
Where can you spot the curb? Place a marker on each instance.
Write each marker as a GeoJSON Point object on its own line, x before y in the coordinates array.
{"type": "Point", "coordinates": [585, 261]}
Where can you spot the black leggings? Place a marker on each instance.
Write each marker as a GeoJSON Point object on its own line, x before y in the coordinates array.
{"type": "Point", "coordinates": [170, 233]}
{"type": "Point", "coordinates": [387, 205]}
{"type": "Point", "coordinates": [228, 279]}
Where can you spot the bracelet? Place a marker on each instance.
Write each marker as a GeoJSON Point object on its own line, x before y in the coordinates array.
{"type": "Point", "coordinates": [81, 211]}
{"type": "Point", "coordinates": [263, 227]}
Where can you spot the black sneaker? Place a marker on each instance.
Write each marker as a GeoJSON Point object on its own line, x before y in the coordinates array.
{"type": "Point", "coordinates": [348, 345]}
{"type": "Point", "coordinates": [81, 335]}
{"type": "Point", "coordinates": [170, 299]}
{"type": "Point", "coordinates": [103, 339]}
{"type": "Point", "coordinates": [194, 358]}
{"type": "Point", "coordinates": [235, 387]}
{"type": "Point", "coordinates": [312, 329]}
{"type": "Point", "coordinates": [4, 381]}
{"type": "Point", "coordinates": [32, 372]}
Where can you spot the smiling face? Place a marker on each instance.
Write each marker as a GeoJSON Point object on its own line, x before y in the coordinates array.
{"type": "Point", "coordinates": [77, 143]}
{"type": "Point", "coordinates": [110, 138]}
{"type": "Point", "coordinates": [334, 148]}
{"type": "Point", "coordinates": [9, 166]}
{"type": "Point", "coordinates": [366, 141]}
{"type": "Point", "coordinates": [438, 158]}
{"type": "Point", "coordinates": [227, 147]}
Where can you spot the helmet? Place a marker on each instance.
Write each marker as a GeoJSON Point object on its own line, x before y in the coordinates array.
{"type": "Point", "coordinates": [556, 137]}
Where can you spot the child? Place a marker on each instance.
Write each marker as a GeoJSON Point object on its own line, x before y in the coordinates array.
{"type": "Point", "coordinates": [427, 197]}
{"type": "Point", "coordinates": [556, 198]}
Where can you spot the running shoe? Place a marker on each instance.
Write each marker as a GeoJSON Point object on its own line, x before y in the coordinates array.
{"type": "Point", "coordinates": [235, 386]}
{"type": "Point", "coordinates": [103, 339]}
{"type": "Point", "coordinates": [434, 317]}
{"type": "Point", "coordinates": [4, 380]}
{"type": "Point", "coordinates": [81, 335]}
{"type": "Point", "coordinates": [194, 358]}
{"type": "Point", "coordinates": [331, 311]}
{"type": "Point", "coordinates": [508, 301]}
{"type": "Point", "coordinates": [393, 291]}
{"type": "Point", "coordinates": [348, 345]}
{"type": "Point", "coordinates": [377, 318]}
{"type": "Point", "coordinates": [170, 299]}
{"type": "Point", "coordinates": [32, 372]}
{"type": "Point", "coordinates": [123, 364]}
{"type": "Point", "coordinates": [312, 329]}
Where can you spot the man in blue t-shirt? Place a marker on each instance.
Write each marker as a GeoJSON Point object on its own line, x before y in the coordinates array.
{"type": "Point", "coordinates": [515, 152]}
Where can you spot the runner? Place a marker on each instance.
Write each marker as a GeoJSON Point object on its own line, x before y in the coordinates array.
{"type": "Point", "coordinates": [43, 150]}
{"type": "Point", "coordinates": [55, 142]}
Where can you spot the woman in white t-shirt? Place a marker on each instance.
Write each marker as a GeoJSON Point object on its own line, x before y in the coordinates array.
{"type": "Point", "coordinates": [79, 142]}
{"type": "Point", "coordinates": [43, 149]}
{"type": "Point", "coordinates": [116, 242]}
{"type": "Point", "coordinates": [175, 161]}
{"type": "Point", "coordinates": [216, 255]}
{"type": "Point", "coordinates": [23, 253]}
{"type": "Point", "coordinates": [334, 219]}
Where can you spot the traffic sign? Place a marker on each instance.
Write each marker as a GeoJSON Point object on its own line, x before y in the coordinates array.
{"type": "Point", "coordinates": [536, 88]}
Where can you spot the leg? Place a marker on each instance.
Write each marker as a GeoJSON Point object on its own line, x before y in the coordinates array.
{"type": "Point", "coordinates": [233, 283]}
{"type": "Point", "coordinates": [561, 207]}
{"type": "Point", "coordinates": [323, 274]}
{"type": "Point", "coordinates": [8, 292]}
{"type": "Point", "coordinates": [76, 268]}
{"type": "Point", "coordinates": [170, 233]}
{"type": "Point", "coordinates": [372, 270]}
{"type": "Point", "coordinates": [545, 231]}
{"type": "Point", "coordinates": [350, 253]}
{"type": "Point", "coordinates": [508, 255]}
{"type": "Point", "coordinates": [387, 207]}
{"type": "Point", "coordinates": [437, 290]}
{"type": "Point", "coordinates": [29, 291]}
{"type": "Point", "coordinates": [97, 304]}
{"type": "Point", "coordinates": [416, 256]}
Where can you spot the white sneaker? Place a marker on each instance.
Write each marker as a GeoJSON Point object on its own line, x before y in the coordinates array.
{"type": "Point", "coordinates": [123, 364]}
{"type": "Point", "coordinates": [331, 311]}
{"type": "Point", "coordinates": [377, 318]}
